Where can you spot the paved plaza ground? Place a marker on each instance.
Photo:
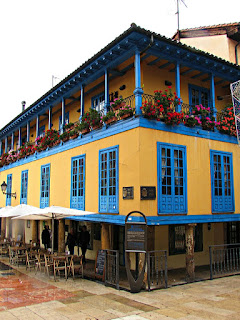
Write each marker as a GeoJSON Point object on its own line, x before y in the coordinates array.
{"type": "Point", "coordinates": [29, 296]}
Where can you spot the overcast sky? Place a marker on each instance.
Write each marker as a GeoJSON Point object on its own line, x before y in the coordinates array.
{"type": "Point", "coordinates": [54, 37]}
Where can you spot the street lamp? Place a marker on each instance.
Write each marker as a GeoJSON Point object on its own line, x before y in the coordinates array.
{"type": "Point", "coordinates": [4, 189]}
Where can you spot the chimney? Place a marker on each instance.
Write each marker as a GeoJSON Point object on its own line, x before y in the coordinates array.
{"type": "Point", "coordinates": [23, 105]}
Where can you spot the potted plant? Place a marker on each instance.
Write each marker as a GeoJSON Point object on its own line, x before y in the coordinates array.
{"type": "Point", "coordinates": [64, 136]}
{"type": "Point", "coordinates": [109, 117]}
{"type": "Point", "coordinates": [166, 99]}
{"type": "Point", "coordinates": [125, 112]}
{"type": "Point", "coordinates": [173, 118]}
{"type": "Point", "coordinates": [74, 133]}
{"type": "Point", "coordinates": [117, 103]}
{"type": "Point", "coordinates": [83, 127]}
{"type": "Point", "coordinates": [191, 120]}
{"type": "Point", "coordinates": [200, 110]}
{"type": "Point", "coordinates": [208, 123]}
{"type": "Point", "coordinates": [94, 119]}
{"type": "Point", "coordinates": [152, 111]}
{"type": "Point", "coordinates": [69, 126]}
{"type": "Point", "coordinates": [226, 122]}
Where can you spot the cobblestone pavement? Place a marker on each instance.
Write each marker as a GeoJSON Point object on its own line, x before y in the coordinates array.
{"type": "Point", "coordinates": [26, 295]}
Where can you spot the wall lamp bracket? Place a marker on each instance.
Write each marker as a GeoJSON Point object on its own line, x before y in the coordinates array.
{"type": "Point", "coordinates": [4, 189]}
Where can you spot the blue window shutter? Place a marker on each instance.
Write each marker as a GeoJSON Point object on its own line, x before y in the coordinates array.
{"type": "Point", "coordinates": [9, 189]}
{"type": "Point", "coordinates": [45, 186]}
{"type": "Point", "coordinates": [222, 182]}
{"type": "Point", "coordinates": [172, 190]}
{"type": "Point", "coordinates": [108, 180]}
{"type": "Point", "coordinates": [24, 187]}
{"type": "Point", "coordinates": [77, 200]}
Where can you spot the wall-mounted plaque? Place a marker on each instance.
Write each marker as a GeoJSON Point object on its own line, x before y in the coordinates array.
{"type": "Point", "coordinates": [148, 193]}
{"type": "Point", "coordinates": [128, 193]}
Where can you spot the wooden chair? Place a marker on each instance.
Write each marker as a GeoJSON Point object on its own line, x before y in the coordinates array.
{"type": "Point", "coordinates": [76, 265]}
{"type": "Point", "coordinates": [12, 255]}
{"type": "Point", "coordinates": [59, 264]}
{"type": "Point", "coordinates": [31, 261]}
{"type": "Point", "coordinates": [4, 251]}
{"type": "Point", "coordinates": [48, 263]}
{"type": "Point", "coordinates": [40, 263]}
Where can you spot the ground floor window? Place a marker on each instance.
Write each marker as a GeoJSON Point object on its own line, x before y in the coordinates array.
{"type": "Point", "coordinates": [233, 232]}
{"type": "Point", "coordinates": [177, 239]}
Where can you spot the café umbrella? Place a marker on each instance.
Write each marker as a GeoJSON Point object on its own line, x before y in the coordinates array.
{"type": "Point", "coordinates": [53, 212]}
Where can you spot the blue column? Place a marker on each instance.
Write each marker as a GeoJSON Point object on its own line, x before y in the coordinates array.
{"type": "Point", "coordinates": [37, 126]}
{"type": "Point", "coordinates": [212, 97]}
{"type": "Point", "coordinates": [6, 142]}
{"type": "Point", "coordinates": [12, 142]}
{"type": "Point", "coordinates": [63, 116]}
{"type": "Point", "coordinates": [106, 97]}
{"type": "Point", "coordinates": [138, 90]}
{"type": "Point", "coordinates": [20, 137]}
{"type": "Point", "coordinates": [1, 151]}
{"type": "Point", "coordinates": [81, 102]}
{"type": "Point", "coordinates": [28, 131]}
{"type": "Point", "coordinates": [177, 82]}
{"type": "Point", "coordinates": [49, 118]}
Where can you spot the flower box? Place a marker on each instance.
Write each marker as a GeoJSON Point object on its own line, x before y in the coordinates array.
{"type": "Point", "coordinates": [110, 120]}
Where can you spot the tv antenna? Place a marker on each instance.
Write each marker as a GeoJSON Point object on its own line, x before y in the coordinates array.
{"type": "Point", "coordinates": [177, 13]}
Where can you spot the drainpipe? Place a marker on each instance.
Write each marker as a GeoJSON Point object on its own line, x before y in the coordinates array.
{"type": "Point", "coordinates": [236, 53]}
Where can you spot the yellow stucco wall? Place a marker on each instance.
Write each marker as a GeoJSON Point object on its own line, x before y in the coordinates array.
{"type": "Point", "coordinates": [217, 45]}
{"type": "Point", "coordinates": [137, 167]}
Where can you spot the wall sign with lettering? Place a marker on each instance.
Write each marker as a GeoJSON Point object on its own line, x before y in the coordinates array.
{"type": "Point", "coordinates": [148, 193]}
{"type": "Point", "coordinates": [128, 193]}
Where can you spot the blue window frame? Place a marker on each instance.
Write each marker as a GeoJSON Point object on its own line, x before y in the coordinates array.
{"type": "Point", "coordinates": [24, 187]}
{"type": "Point", "coordinates": [108, 180]}
{"type": "Point", "coordinates": [172, 179]}
{"type": "Point", "coordinates": [199, 95]}
{"type": "Point", "coordinates": [45, 186]}
{"type": "Point", "coordinates": [222, 181]}
{"type": "Point", "coordinates": [98, 102]}
{"type": "Point", "coordinates": [42, 131]}
{"type": "Point", "coordinates": [9, 189]}
{"type": "Point", "coordinates": [78, 183]}
{"type": "Point", "coordinates": [66, 119]}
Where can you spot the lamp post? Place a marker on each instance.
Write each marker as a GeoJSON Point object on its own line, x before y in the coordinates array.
{"type": "Point", "coordinates": [4, 189]}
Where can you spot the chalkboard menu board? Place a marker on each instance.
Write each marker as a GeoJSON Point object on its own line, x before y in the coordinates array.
{"type": "Point", "coordinates": [100, 264]}
{"type": "Point", "coordinates": [135, 236]}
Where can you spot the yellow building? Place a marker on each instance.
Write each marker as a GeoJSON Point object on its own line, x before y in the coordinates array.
{"type": "Point", "coordinates": [169, 160]}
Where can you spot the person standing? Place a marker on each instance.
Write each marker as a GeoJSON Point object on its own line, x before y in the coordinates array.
{"type": "Point", "coordinates": [46, 237]}
{"type": "Point", "coordinates": [71, 241]}
{"type": "Point", "coordinates": [84, 241]}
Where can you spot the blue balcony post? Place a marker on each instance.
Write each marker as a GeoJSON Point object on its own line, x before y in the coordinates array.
{"type": "Point", "coordinates": [1, 151]}
{"type": "Point", "coordinates": [138, 90]}
{"type": "Point", "coordinates": [50, 118]}
{"type": "Point", "coordinates": [177, 82]}
{"type": "Point", "coordinates": [6, 144]}
{"type": "Point", "coordinates": [12, 142]}
{"type": "Point", "coordinates": [82, 103]}
{"type": "Point", "coordinates": [20, 137]}
{"type": "Point", "coordinates": [63, 116]}
{"type": "Point", "coordinates": [212, 96]}
{"type": "Point", "coordinates": [28, 131]}
{"type": "Point", "coordinates": [37, 126]}
{"type": "Point", "coordinates": [106, 93]}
